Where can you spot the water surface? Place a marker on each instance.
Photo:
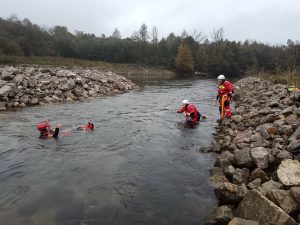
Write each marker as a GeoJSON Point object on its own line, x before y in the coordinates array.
{"type": "Point", "coordinates": [139, 166]}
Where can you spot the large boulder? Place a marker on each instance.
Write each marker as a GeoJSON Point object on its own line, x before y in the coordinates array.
{"type": "Point", "coordinates": [289, 172]}
{"type": "Point", "coordinates": [257, 207]}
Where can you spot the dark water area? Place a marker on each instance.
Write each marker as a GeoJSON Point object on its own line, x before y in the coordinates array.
{"type": "Point", "coordinates": [140, 165]}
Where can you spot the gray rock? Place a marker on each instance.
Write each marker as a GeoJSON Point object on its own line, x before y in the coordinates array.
{"type": "Point", "coordinates": [217, 177]}
{"type": "Point", "coordinates": [264, 211]}
{"type": "Point", "coordinates": [279, 123]}
{"type": "Point", "coordinates": [273, 104]}
{"type": "Point", "coordinates": [240, 221]}
{"type": "Point", "coordinates": [272, 185]}
{"type": "Point", "coordinates": [220, 216]}
{"type": "Point", "coordinates": [34, 101]}
{"type": "Point", "coordinates": [230, 193]}
{"type": "Point", "coordinates": [295, 192]}
{"type": "Point", "coordinates": [227, 155]}
{"type": "Point", "coordinates": [240, 176]}
{"type": "Point", "coordinates": [283, 199]}
{"type": "Point", "coordinates": [286, 129]}
{"type": "Point", "coordinates": [292, 119]}
{"type": "Point", "coordinates": [242, 136]}
{"type": "Point", "coordinates": [288, 111]}
{"type": "Point", "coordinates": [282, 155]}
{"type": "Point", "coordinates": [294, 145]}
{"type": "Point", "coordinates": [270, 118]}
{"type": "Point", "coordinates": [260, 157]}
{"type": "Point", "coordinates": [7, 75]}
{"type": "Point", "coordinates": [289, 172]}
{"type": "Point", "coordinates": [254, 184]}
{"type": "Point", "coordinates": [265, 111]}
{"type": "Point", "coordinates": [237, 118]}
{"type": "Point", "coordinates": [296, 134]}
{"type": "Point", "coordinates": [259, 173]}
{"type": "Point", "coordinates": [5, 91]}
{"type": "Point", "coordinates": [229, 171]}
{"type": "Point", "coordinates": [243, 158]}
{"type": "Point", "coordinates": [255, 137]}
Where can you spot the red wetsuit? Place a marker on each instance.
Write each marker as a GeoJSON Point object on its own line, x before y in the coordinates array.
{"type": "Point", "coordinates": [192, 110]}
{"type": "Point", "coordinates": [225, 90]}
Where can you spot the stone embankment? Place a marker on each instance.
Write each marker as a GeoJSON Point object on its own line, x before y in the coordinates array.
{"type": "Point", "coordinates": [28, 85]}
{"type": "Point", "coordinates": [257, 170]}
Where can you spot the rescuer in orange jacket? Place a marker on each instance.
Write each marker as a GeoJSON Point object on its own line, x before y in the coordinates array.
{"type": "Point", "coordinates": [45, 130]}
{"type": "Point", "coordinates": [224, 96]}
{"type": "Point", "coordinates": [190, 111]}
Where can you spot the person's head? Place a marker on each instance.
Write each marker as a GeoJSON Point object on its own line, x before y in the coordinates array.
{"type": "Point", "coordinates": [185, 102]}
{"type": "Point", "coordinates": [92, 126]}
{"type": "Point", "coordinates": [221, 79]}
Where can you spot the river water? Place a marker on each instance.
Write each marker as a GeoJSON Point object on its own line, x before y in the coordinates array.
{"type": "Point", "coordinates": [141, 164]}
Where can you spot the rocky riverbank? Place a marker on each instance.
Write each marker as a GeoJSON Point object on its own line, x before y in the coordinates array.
{"type": "Point", "coordinates": [257, 170]}
{"type": "Point", "coordinates": [36, 85]}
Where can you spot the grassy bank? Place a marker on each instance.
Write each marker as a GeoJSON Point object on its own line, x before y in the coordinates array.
{"type": "Point", "coordinates": [288, 77]}
{"type": "Point", "coordinates": [128, 70]}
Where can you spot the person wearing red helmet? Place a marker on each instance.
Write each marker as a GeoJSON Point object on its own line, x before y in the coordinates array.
{"type": "Point", "coordinates": [190, 111]}
{"type": "Point", "coordinates": [45, 129]}
{"type": "Point", "coordinates": [224, 96]}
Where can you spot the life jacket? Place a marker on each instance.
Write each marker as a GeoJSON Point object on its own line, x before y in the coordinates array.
{"type": "Point", "coordinates": [225, 88]}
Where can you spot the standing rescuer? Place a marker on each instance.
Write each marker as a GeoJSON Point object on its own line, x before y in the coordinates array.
{"type": "Point", "coordinates": [224, 96]}
{"type": "Point", "coordinates": [190, 111]}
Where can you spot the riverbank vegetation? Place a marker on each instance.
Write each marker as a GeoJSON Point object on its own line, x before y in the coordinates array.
{"type": "Point", "coordinates": [22, 41]}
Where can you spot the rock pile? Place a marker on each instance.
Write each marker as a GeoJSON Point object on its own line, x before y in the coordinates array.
{"type": "Point", "coordinates": [27, 85]}
{"type": "Point", "coordinates": [257, 171]}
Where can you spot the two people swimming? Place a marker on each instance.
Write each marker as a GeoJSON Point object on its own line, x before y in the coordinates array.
{"type": "Point", "coordinates": [46, 131]}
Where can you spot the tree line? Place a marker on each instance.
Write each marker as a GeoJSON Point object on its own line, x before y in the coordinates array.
{"type": "Point", "coordinates": [185, 53]}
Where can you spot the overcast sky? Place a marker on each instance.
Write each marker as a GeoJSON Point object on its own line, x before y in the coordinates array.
{"type": "Point", "coordinates": [268, 21]}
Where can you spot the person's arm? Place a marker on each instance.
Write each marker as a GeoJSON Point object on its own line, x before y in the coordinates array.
{"type": "Point", "coordinates": [181, 110]}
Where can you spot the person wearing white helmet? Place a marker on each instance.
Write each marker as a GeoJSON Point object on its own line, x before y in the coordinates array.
{"type": "Point", "coordinates": [189, 110]}
{"type": "Point", "coordinates": [224, 96]}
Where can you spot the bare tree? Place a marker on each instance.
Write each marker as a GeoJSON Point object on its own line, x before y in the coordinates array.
{"type": "Point", "coordinates": [184, 34]}
{"type": "Point", "coordinates": [198, 36]}
{"type": "Point", "coordinates": [116, 34]}
{"type": "Point", "coordinates": [218, 35]}
{"type": "Point", "coordinates": [154, 35]}
{"type": "Point", "coordinates": [142, 35]}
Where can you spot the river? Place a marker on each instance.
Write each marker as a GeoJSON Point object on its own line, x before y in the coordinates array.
{"type": "Point", "coordinates": [140, 165]}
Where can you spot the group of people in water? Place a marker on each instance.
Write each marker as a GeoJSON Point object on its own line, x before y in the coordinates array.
{"type": "Point", "coordinates": [224, 97]}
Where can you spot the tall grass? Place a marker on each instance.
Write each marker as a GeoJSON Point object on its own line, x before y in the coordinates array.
{"type": "Point", "coordinates": [290, 77]}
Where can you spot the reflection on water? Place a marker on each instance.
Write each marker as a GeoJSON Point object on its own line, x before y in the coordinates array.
{"type": "Point", "coordinates": [141, 165]}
